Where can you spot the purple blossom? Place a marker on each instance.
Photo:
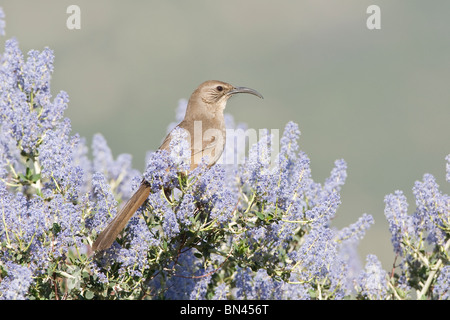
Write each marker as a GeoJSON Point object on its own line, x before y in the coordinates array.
{"type": "Point", "coordinates": [12, 61]}
{"type": "Point", "coordinates": [244, 284]}
{"type": "Point", "coordinates": [162, 208]}
{"type": "Point", "coordinates": [22, 220]}
{"type": "Point", "coordinates": [357, 230]}
{"type": "Point", "coordinates": [294, 172]}
{"type": "Point", "coordinates": [119, 173]}
{"type": "Point", "coordinates": [25, 100]}
{"type": "Point", "coordinates": [67, 216]}
{"type": "Point", "coordinates": [337, 177]}
{"type": "Point", "coordinates": [221, 292]}
{"type": "Point", "coordinates": [256, 286]}
{"type": "Point", "coordinates": [170, 224]}
{"type": "Point", "coordinates": [441, 288]}
{"type": "Point", "coordinates": [189, 280]}
{"type": "Point", "coordinates": [317, 254]}
{"type": "Point", "coordinates": [212, 191]}
{"type": "Point", "coordinates": [161, 172]}
{"type": "Point", "coordinates": [400, 223]}
{"type": "Point", "coordinates": [295, 290]}
{"type": "Point", "coordinates": [201, 285]}
{"type": "Point", "coordinates": [57, 163]}
{"type": "Point", "coordinates": [186, 209]}
{"type": "Point", "coordinates": [180, 150]}
{"type": "Point", "coordinates": [324, 210]}
{"type": "Point", "coordinates": [140, 240]}
{"type": "Point", "coordinates": [432, 211]}
{"type": "Point", "coordinates": [105, 202]}
{"type": "Point", "coordinates": [102, 155]}
{"type": "Point", "coordinates": [36, 76]}
{"type": "Point", "coordinates": [373, 280]}
{"type": "Point", "coordinates": [318, 260]}
{"type": "Point", "coordinates": [17, 282]}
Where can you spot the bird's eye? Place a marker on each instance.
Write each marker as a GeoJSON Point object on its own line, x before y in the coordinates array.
{"type": "Point", "coordinates": [219, 88]}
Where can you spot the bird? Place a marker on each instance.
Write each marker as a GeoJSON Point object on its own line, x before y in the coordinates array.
{"type": "Point", "coordinates": [204, 110]}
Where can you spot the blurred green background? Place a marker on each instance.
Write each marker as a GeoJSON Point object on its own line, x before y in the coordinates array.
{"type": "Point", "coordinates": [380, 99]}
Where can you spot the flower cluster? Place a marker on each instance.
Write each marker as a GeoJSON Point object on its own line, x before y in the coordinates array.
{"type": "Point", "coordinates": [260, 229]}
{"type": "Point", "coordinates": [421, 240]}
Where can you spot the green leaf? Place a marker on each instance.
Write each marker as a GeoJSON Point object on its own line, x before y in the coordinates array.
{"type": "Point", "coordinates": [56, 228]}
{"type": "Point", "coordinates": [35, 177]}
{"type": "Point", "coordinates": [198, 255]}
{"type": "Point", "coordinates": [260, 215]}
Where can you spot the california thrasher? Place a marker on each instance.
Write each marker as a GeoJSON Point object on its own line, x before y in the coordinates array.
{"type": "Point", "coordinates": [205, 109]}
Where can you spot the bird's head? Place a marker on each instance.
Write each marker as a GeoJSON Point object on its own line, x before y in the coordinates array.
{"type": "Point", "coordinates": [213, 96]}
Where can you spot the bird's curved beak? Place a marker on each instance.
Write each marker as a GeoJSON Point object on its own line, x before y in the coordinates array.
{"type": "Point", "coordinates": [244, 90]}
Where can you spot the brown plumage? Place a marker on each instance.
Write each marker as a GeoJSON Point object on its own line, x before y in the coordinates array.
{"type": "Point", "coordinates": [205, 123]}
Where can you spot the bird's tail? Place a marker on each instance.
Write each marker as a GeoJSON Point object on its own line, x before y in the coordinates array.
{"type": "Point", "coordinates": [107, 236]}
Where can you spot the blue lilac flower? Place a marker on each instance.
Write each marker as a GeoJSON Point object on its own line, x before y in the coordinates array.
{"type": "Point", "coordinates": [161, 172]}
{"type": "Point", "coordinates": [67, 216]}
{"type": "Point", "coordinates": [180, 150]}
{"type": "Point", "coordinates": [295, 290]}
{"type": "Point", "coordinates": [257, 172]}
{"type": "Point", "coordinates": [102, 155]}
{"type": "Point", "coordinates": [119, 173]}
{"type": "Point", "coordinates": [105, 202]}
{"type": "Point", "coordinates": [23, 221]}
{"type": "Point", "coordinates": [244, 284]}
{"type": "Point", "coordinates": [17, 282]}
{"type": "Point", "coordinates": [25, 99]}
{"type": "Point", "coordinates": [373, 280]}
{"type": "Point", "coordinates": [82, 162]}
{"type": "Point", "coordinates": [266, 288]}
{"type": "Point", "coordinates": [221, 292]}
{"type": "Point", "coordinates": [56, 158]}
{"type": "Point", "coordinates": [441, 289]}
{"type": "Point", "coordinates": [37, 73]}
{"type": "Point", "coordinates": [348, 252]}
{"type": "Point", "coordinates": [201, 285]}
{"type": "Point", "coordinates": [23, 228]}
{"type": "Point", "coordinates": [337, 177]}
{"type": "Point", "coordinates": [186, 209]}
{"type": "Point", "coordinates": [214, 192]}
{"type": "Point", "coordinates": [20, 124]}
{"type": "Point", "coordinates": [432, 209]}
{"type": "Point", "coordinates": [9, 153]}
{"type": "Point", "coordinates": [12, 61]}
{"type": "Point", "coordinates": [357, 230]}
{"type": "Point", "coordinates": [318, 257]}
{"type": "Point", "coordinates": [53, 111]}
{"type": "Point", "coordinates": [132, 257]}
{"type": "Point", "coordinates": [170, 224]}
{"type": "Point", "coordinates": [7, 216]}
{"type": "Point", "coordinates": [190, 278]}
{"type": "Point", "coordinates": [400, 223]}
{"type": "Point", "coordinates": [325, 210]}
{"type": "Point", "coordinates": [293, 173]}
{"type": "Point", "coordinates": [256, 285]}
